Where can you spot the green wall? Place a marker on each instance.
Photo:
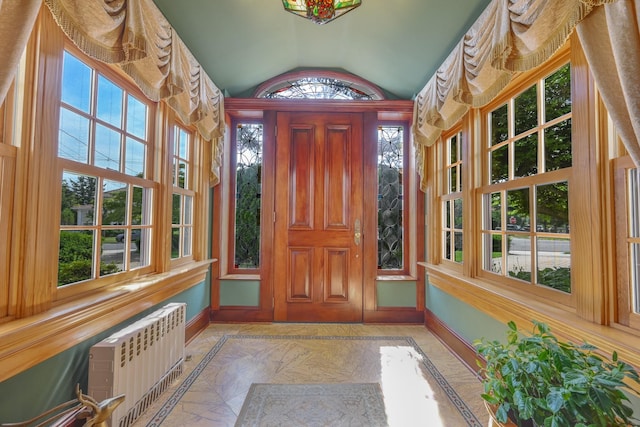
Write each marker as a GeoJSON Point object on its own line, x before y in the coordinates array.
{"type": "Point", "coordinates": [394, 293]}
{"type": "Point", "coordinates": [246, 293]}
{"type": "Point", "coordinates": [240, 292]}
{"type": "Point", "coordinates": [53, 381]}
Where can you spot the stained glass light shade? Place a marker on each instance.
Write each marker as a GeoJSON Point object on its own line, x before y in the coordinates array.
{"type": "Point", "coordinates": [320, 11]}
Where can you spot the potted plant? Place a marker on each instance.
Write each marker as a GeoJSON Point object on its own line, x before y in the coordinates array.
{"type": "Point", "coordinates": [539, 380]}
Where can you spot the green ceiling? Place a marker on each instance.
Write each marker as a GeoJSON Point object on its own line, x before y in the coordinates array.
{"type": "Point", "coordinates": [396, 45]}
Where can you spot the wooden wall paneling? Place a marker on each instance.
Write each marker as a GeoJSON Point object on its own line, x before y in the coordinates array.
{"type": "Point", "coordinates": [585, 195]}
{"type": "Point", "coordinates": [370, 220]}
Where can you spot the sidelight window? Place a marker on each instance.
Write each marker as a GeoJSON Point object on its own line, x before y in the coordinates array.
{"type": "Point", "coordinates": [391, 191]}
{"type": "Point", "coordinates": [246, 205]}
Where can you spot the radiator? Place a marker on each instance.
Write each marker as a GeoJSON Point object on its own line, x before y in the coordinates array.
{"type": "Point", "coordinates": [139, 361]}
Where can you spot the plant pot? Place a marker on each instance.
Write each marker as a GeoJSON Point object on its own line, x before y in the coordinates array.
{"type": "Point", "coordinates": [493, 421]}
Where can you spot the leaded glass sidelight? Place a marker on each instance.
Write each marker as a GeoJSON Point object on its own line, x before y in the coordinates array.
{"type": "Point", "coordinates": [390, 193]}
{"type": "Point", "coordinates": [248, 192]}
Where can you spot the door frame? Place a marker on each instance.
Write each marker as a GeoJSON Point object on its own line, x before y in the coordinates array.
{"type": "Point", "coordinates": [265, 110]}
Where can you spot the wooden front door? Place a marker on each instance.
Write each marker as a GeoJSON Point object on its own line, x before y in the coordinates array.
{"type": "Point", "coordinates": [318, 266]}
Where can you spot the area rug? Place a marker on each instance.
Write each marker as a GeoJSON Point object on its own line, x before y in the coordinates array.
{"type": "Point", "coordinates": [409, 380]}
{"type": "Point", "coordinates": [313, 405]}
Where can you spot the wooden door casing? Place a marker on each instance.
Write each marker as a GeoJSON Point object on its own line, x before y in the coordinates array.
{"type": "Point", "coordinates": [318, 263]}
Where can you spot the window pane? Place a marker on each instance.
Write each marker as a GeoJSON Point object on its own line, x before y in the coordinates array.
{"type": "Point", "coordinates": [390, 195]}
{"type": "Point", "coordinates": [112, 257]}
{"type": "Point", "coordinates": [136, 118]}
{"type": "Point", "coordinates": [78, 199]}
{"type": "Point", "coordinates": [500, 164]}
{"type": "Point", "coordinates": [526, 110]}
{"type": "Point", "coordinates": [107, 150]}
{"type": "Point", "coordinates": [76, 83]}
{"type": "Point", "coordinates": [183, 145]}
{"type": "Point", "coordinates": [453, 180]}
{"type": "Point", "coordinates": [186, 241]}
{"type": "Point", "coordinates": [554, 263]}
{"type": "Point", "coordinates": [634, 203]}
{"type": "Point", "coordinates": [499, 125]}
{"type": "Point", "coordinates": [519, 257]}
{"type": "Point", "coordinates": [453, 149]}
{"type": "Point", "coordinates": [526, 156]}
{"type": "Point", "coordinates": [175, 211]}
{"type": "Point", "coordinates": [447, 213]}
{"type": "Point", "coordinates": [457, 213]}
{"type": "Point", "coordinates": [114, 203]}
{"type": "Point", "coordinates": [557, 93]}
{"type": "Point", "coordinates": [552, 207]}
{"type": "Point", "coordinates": [188, 203]}
{"type": "Point", "coordinates": [73, 137]}
{"type": "Point", "coordinates": [493, 253]}
{"type": "Point", "coordinates": [109, 102]}
{"type": "Point", "coordinates": [518, 209]}
{"type": "Point", "coordinates": [140, 247]}
{"type": "Point", "coordinates": [134, 158]}
{"type": "Point", "coordinates": [182, 174]}
{"type": "Point", "coordinates": [447, 245]}
{"type": "Point", "coordinates": [175, 243]}
{"type": "Point", "coordinates": [457, 239]}
{"type": "Point", "coordinates": [496, 211]}
{"type": "Point", "coordinates": [634, 261]}
{"type": "Point", "coordinates": [557, 144]}
{"type": "Point", "coordinates": [75, 256]}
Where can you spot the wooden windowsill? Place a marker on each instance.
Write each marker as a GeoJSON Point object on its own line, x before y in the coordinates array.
{"type": "Point", "coordinates": [505, 305]}
{"type": "Point", "coordinates": [396, 278]}
{"type": "Point", "coordinates": [31, 340]}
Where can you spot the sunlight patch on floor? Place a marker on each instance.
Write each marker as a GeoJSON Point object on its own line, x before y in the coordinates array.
{"type": "Point", "coordinates": [408, 397]}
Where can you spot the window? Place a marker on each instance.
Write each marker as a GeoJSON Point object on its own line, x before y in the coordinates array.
{"type": "Point", "coordinates": [8, 153]}
{"type": "Point", "coordinates": [525, 209]}
{"type": "Point", "coordinates": [391, 190]}
{"type": "Point", "coordinates": [452, 200]}
{"type": "Point", "coordinates": [183, 194]}
{"type": "Point", "coordinates": [627, 202]}
{"type": "Point", "coordinates": [319, 84]}
{"type": "Point", "coordinates": [246, 205]}
{"type": "Point", "coordinates": [103, 155]}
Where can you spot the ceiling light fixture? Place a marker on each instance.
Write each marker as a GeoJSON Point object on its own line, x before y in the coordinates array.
{"type": "Point", "coordinates": [320, 11]}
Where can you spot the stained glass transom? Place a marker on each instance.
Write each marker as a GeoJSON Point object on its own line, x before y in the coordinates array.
{"type": "Point", "coordinates": [319, 88]}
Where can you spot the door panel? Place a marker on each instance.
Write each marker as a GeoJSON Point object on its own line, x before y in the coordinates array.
{"type": "Point", "coordinates": [318, 202]}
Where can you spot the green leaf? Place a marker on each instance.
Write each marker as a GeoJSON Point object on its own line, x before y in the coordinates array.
{"type": "Point", "coordinates": [555, 401]}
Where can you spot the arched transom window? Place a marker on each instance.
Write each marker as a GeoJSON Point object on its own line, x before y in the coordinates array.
{"type": "Point", "coordinates": [319, 85]}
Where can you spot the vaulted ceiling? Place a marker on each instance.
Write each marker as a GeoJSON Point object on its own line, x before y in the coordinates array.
{"type": "Point", "coordinates": [396, 45]}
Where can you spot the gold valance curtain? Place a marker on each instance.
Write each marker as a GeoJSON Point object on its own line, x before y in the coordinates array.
{"type": "Point", "coordinates": [16, 22]}
{"type": "Point", "coordinates": [134, 35]}
{"type": "Point", "coordinates": [610, 36]}
{"type": "Point", "coordinates": [510, 36]}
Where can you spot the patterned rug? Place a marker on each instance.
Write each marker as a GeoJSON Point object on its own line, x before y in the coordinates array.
{"type": "Point", "coordinates": [313, 405]}
{"type": "Point", "coordinates": [246, 353]}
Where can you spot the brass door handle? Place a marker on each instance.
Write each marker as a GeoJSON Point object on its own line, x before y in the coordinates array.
{"type": "Point", "coordinates": [358, 234]}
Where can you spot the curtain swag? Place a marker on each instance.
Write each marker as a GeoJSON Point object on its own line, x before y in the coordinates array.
{"type": "Point", "coordinates": [136, 37]}
{"type": "Point", "coordinates": [508, 37]}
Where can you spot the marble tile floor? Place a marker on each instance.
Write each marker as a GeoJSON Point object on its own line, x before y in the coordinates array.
{"type": "Point", "coordinates": [265, 354]}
